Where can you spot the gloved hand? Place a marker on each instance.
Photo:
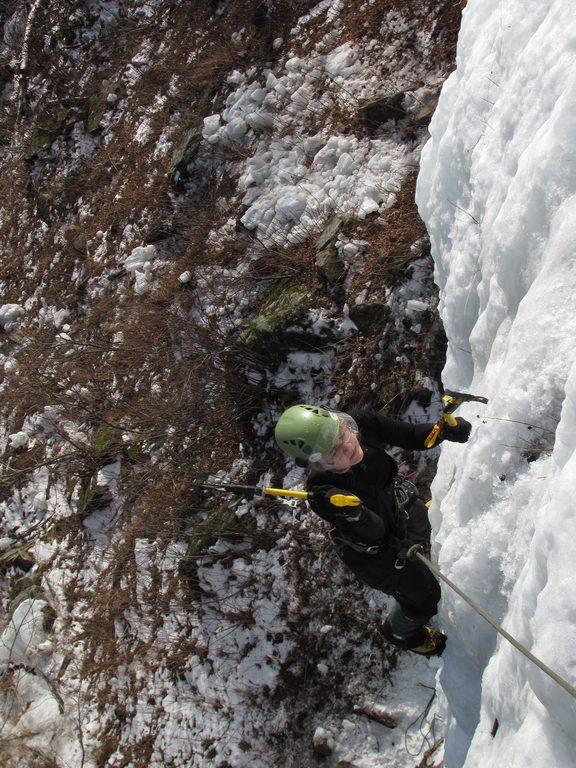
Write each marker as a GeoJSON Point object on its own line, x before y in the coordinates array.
{"type": "Point", "coordinates": [458, 434]}
{"type": "Point", "coordinates": [335, 498]}
{"type": "Point", "coordinates": [325, 493]}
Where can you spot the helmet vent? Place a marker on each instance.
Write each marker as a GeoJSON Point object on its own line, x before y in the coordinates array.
{"type": "Point", "coordinates": [318, 411]}
{"type": "Point", "coordinates": [299, 443]}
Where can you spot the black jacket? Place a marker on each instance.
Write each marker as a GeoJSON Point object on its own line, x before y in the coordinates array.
{"type": "Point", "coordinates": [376, 521]}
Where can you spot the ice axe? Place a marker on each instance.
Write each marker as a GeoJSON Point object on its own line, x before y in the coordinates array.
{"type": "Point", "coordinates": [451, 401]}
{"type": "Point", "coordinates": [337, 499]}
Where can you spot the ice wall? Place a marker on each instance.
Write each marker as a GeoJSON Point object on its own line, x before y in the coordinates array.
{"type": "Point", "coordinates": [497, 190]}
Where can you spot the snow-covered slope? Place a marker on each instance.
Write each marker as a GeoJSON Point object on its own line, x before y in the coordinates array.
{"type": "Point", "coordinates": [156, 159]}
{"type": "Point", "coordinates": [497, 190]}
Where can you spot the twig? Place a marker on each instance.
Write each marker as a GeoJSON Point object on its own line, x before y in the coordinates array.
{"type": "Point", "coordinates": [16, 472]}
{"type": "Point", "coordinates": [523, 423]}
{"type": "Point", "coordinates": [464, 211]}
{"type": "Point", "coordinates": [429, 752]}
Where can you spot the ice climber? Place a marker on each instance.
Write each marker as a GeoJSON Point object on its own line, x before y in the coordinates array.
{"type": "Point", "coordinates": [347, 454]}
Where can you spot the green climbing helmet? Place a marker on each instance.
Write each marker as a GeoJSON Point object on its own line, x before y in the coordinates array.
{"type": "Point", "coordinates": [307, 431]}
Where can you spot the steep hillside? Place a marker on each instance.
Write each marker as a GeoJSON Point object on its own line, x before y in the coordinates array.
{"type": "Point", "coordinates": [206, 213]}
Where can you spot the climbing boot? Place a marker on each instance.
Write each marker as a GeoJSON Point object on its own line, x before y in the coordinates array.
{"type": "Point", "coordinates": [426, 641]}
{"type": "Point", "coordinates": [432, 644]}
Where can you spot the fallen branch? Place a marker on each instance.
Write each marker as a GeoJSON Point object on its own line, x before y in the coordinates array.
{"type": "Point", "coordinates": [375, 714]}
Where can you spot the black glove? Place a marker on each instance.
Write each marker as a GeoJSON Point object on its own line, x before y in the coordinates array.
{"type": "Point", "coordinates": [458, 434]}
{"type": "Point", "coordinates": [324, 493]}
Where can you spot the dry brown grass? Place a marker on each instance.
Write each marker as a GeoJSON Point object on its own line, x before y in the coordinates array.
{"type": "Point", "coordinates": [15, 752]}
{"type": "Point", "coordinates": [391, 237]}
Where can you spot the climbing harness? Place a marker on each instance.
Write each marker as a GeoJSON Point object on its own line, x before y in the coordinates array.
{"type": "Point", "coordinates": [415, 552]}
{"type": "Point", "coordinates": [451, 401]}
{"type": "Point", "coordinates": [404, 493]}
{"type": "Point", "coordinates": [340, 541]}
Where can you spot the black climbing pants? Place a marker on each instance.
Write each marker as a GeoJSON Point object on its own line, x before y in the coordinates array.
{"type": "Point", "coordinates": [413, 586]}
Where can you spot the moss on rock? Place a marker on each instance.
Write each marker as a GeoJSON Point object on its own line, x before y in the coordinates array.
{"type": "Point", "coordinates": [370, 318]}
{"type": "Point", "coordinates": [283, 323]}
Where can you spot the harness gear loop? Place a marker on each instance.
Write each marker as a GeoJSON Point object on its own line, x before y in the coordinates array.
{"type": "Point", "coordinates": [339, 541]}
{"type": "Point", "coordinates": [405, 494]}
{"type": "Point", "coordinates": [415, 553]}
